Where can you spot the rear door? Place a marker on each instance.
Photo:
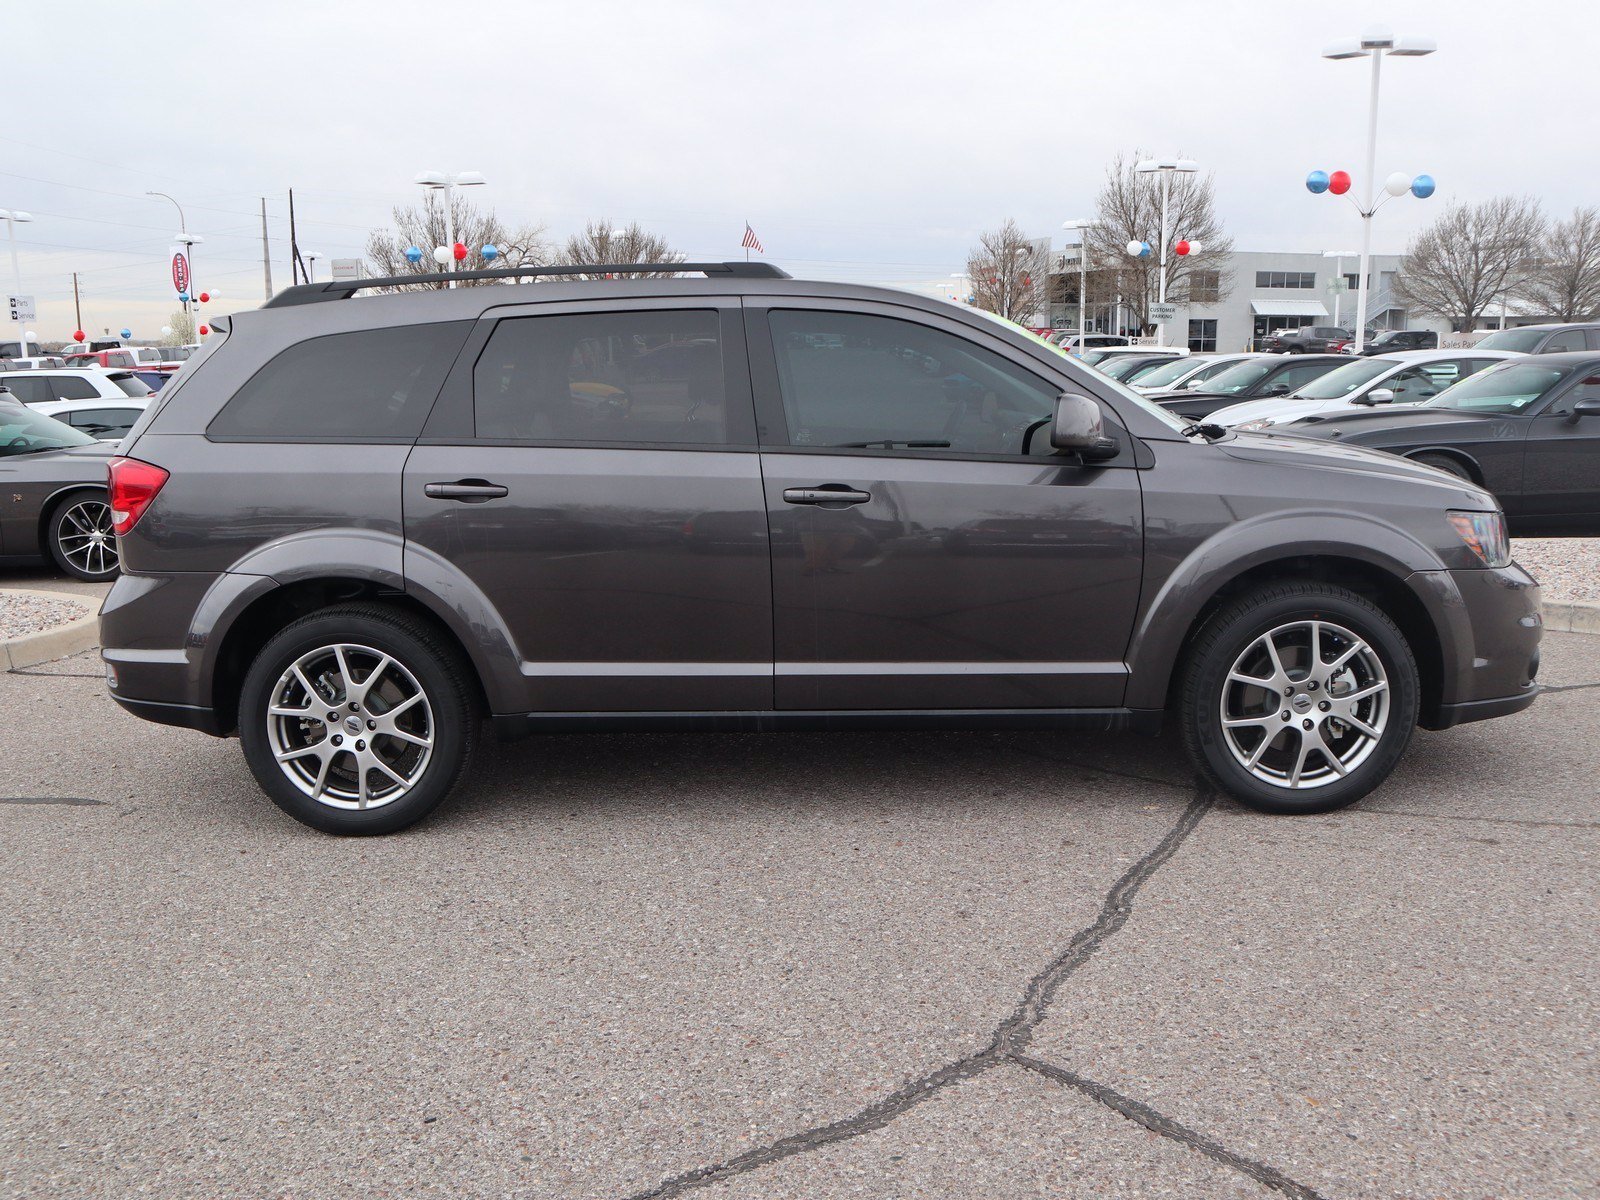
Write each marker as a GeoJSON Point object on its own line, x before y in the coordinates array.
{"type": "Point", "coordinates": [928, 551]}
{"type": "Point", "coordinates": [591, 473]}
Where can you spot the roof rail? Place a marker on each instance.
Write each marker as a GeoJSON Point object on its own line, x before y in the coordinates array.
{"type": "Point", "coordinates": [317, 293]}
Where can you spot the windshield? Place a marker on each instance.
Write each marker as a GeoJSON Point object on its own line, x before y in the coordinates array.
{"type": "Point", "coordinates": [1164, 374]}
{"type": "Point", "coordinates": [131, 385]}
{"type": "Point", "coordinates": [1240, 377]}
{"type": "Point", "coordinates": [1126, 366]}
{"type": "Point", "coordinates": [1503, 390]}
{"type": "Point", "coordinates": [1523, 340]}
{"type": "Point", "coordinates": [23, 431]}
{"type": "Point", "coordinates": [1341, 381]}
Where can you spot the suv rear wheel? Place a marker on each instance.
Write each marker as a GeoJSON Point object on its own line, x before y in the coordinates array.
{"type": "Point", "coordinates": [1298, 698]}
{"type": "Point", "coordinates": [358, 719]}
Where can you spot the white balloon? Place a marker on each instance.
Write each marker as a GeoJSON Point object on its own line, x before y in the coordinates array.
{"type": "Point", "coordinates": [1397, 184]}
{"type": "Point", "coordinates": [1194, 247]}
{"type": "Point", "coordinates": [441, 254]}
{"type": "Point", "coordinates": [1134, 246]}
{"type": "Point", "coordinates": [166, 331]}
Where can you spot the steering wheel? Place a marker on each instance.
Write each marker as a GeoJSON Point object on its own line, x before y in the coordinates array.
{"type": "Point", "coordinates": [19, 443]}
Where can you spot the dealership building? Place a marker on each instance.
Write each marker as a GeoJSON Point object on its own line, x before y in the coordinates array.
{"type": "Point", "coordinates": [1250, 294]}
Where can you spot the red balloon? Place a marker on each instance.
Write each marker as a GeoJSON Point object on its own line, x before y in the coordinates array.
{"type": "Point", "coordinates": [77, 335]}
{"type": "Point", "coordinates": [205, 297]}
{"type": "Point", "coordinates": [204, 329]}
{"type": "Point", "coordinates": [1181, 248]}
{"type": "Point", "coordinates": [460, 251]}
{"type": "Point", "coordinates": [1339, 182]}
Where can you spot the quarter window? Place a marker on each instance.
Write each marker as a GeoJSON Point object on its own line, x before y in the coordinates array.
{"type": "Point", "coordinates": [70, 387]}
{"type": "Point", "coordinates": [623, 377]}
{"type": "Point", "coordinates": [377, 383]}
{"type": "Point", "coordinates": [29, 391]}
{"type": "Point", "coordinates": [851, 380]}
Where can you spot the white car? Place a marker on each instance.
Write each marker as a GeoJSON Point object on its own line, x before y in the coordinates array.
{"type": "Point", "coordinates": [34, 361]}
{"type": "Point", "coordinates": [36, 386]}
{"type": "Point", "coordinates": [1407, 377]}
{"type": "Point", "coordinates": [1183, 373]}
{"type": "Point", "coordinates": [107, 420]}
{"type": "Point", "coordinates": [1099, 354]}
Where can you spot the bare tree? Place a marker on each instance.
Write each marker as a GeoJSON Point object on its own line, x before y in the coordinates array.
{"type": "Point", "coordinates": [423, 226]}
{"type": "Point", "coordinates": [1564, 279]}
{"type": "Point", "coordinates": [602, 242]}
{"type": "Point", "coordinates": [182, 326]}
{"type": "Point", "coordinates": [1468, 256]}
{"type": "Point", "coordinates": [1010, 273]}
{"type": "Point", "coordinates": [1128, 209]}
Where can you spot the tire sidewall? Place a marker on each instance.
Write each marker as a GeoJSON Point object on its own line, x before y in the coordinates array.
{"type": "Point", "coordinates": [451, 718]}
{"type": "Point", "coordinates": [1368, 623]}
{"type": "Point", "coordinates": [58, 514]}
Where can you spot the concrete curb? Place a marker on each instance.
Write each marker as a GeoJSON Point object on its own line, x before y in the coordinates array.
{"type": "Point", "coordinates": [1572, 616]}
{"type": "Point", "coordinates": [78, 634]}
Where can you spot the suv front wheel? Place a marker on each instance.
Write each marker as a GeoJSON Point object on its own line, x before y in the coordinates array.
{"type": "Point", "coordinates": [1298, 698]}
{"type": "Point", "coordinates": [358, 719]}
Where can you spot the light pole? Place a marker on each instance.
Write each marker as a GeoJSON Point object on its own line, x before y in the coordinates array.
{"type": "Point", "coordinates": [1082, 225]}
{"type": "Point", "coordinates": [1166, 167]}
{"type": "Point", "coordinates": [1375, 43]}
{"type": "Point", "coordinates": [311, 257]}
{"type": "Point", "coordinates": [1338, 257]}
{"type": "Point", "coordinates": [963, 288]}
{"type": "Point", "coordinates": [13, 218]}
{"type": "Point", "coordinates": [439, 181]}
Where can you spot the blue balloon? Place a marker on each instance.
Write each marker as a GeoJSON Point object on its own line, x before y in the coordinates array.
{"type": "Point", "coordinates": [413, 254]}
{"type": "Point", "coordinates": [1144, 249]}
{"type": "Point", "coordinates": [1317, 182]}
{"type": "Point", "coordinates": [183, 297]}
{"type": "Point", "coordinates": [125, 332]}
{"type": "Point", "coordinates": [490, 252]}
{"type": "Point", "coordinates": [1422, 186]}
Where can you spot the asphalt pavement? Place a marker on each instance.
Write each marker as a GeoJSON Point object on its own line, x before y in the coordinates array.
{"type": "Point", "coordinates": [819, 965]}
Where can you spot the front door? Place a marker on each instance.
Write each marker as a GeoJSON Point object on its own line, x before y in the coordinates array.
{"type": "Point", "coordinates": [928, 551]}
{"type": "Point", "coordinates": [591, 471]}
{"type": "Point", "coordinates": [1561, 465]}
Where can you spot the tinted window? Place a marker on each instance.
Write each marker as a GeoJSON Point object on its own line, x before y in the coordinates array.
{"type": "Point", "coordinates": [636, 377]}
{"type": "Point", "coordinates": [29, 391]}
{"type": "Point", "coordinates": [130, 385]}
{"type": "Point", "coordinates": [853, 380]}
{"type": "Point", "coordinates": [1507, 389]}
{"type": "Point", "coordinates": [1341, 381]}
{"type": "Point", "coordinates": [103, 422]}
{"type": "Point", "coordinates": [1294, 377]}
{"type": "Point", "coordinates": [378, 383]}
{"type": "Point", "coordinates": [1570, 339]}
{"type": "Point", "coordinates": [70, 387]}
{"type": "Point", "coordinates": [23, 431]}
{"type": "Point", "coordinates": [1523, 340]}
{"type": "Point", "coordinates": [1239, 377]}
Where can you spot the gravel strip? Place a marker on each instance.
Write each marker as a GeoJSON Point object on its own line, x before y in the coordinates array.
{"type": "Point", "coordinates": [1566, 568]}
{"type": "Point", "coordinates": [22, 615]}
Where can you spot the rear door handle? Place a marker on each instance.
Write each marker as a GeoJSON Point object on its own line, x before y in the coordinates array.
{"type": "Point", "coordinates": [467, 490]}
{"type": "Point", "coordinates": [827, 493]}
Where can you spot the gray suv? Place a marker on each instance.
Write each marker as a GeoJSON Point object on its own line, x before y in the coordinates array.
{"type": "Point", "coordinates": [353, 528]}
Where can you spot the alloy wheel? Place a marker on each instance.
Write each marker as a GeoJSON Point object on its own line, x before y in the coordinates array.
{"type": "Point", "coordinates": [1304, 704]}
{"type": "Point", "coordinates": [86, 538]}
{"type": "Point", "coordinates": [350, 726]}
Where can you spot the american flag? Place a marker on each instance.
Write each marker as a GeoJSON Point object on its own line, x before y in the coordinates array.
{"type": "Point", "coordinates": [750, 241]}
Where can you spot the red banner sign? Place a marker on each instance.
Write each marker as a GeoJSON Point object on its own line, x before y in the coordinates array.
{"type": "Point", "coordinates": [180, 271]}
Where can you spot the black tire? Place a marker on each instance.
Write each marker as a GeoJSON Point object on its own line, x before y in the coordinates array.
{"type": "Point", "coordinates": [433, 663]}
{"type": "Point", "coordinates": [67, 520]}
{"type": "Point", "coordinates": [1231, 632]}
{"type": "Point", "coordinates": [1445, 463]}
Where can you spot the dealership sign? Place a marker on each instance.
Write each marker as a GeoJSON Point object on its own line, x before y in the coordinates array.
{"type": "Point", "coordinates": [180, 270]}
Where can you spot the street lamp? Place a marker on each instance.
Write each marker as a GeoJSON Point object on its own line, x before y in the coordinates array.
{"type": "Point", "coordinates": [1338, 257]}
{"type": "Point", "coordinates": [1166, 167]}
{"type": "Point", "coordinates": [1374, 44]}
{"type": "Point", "coordinates": [436, 181]}
{"type": "Point", "coordinates": [13, 218]}
{"type": "Point", "coordinates": [311, 257]}
{"type": "Point", "coordinates": [1082, 225]}
{"type": "Point", "coordinates": [962, 286]}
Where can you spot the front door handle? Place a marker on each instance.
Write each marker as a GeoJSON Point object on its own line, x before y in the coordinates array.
{"type": "Point", "coordinates": [827, 494]}
{"type": "Point", "coordinates": [469, 491]}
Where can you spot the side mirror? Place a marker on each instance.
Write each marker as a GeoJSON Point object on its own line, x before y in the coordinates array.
{"type": "Point", "coordinates": [1589, 406]}
{"type": "Point", "coordinates": [1080, 428]}
{"type": "Point", "coordinates": [1277, 389]}
{"type": "Point", "coordinates": [1377, 396]}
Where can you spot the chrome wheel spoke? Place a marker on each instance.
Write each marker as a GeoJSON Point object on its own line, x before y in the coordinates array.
{"type": "Point", "coordinates": [1359, 726]}
{"type": "Point", "coordinates": [1265, 722]}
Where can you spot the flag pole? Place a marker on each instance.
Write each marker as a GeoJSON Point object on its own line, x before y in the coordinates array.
{"type": "Point", "coordinates": [746, 240]}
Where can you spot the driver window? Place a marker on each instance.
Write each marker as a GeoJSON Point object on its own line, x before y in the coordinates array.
{"type": "Point", "coordinates": [869, 382]}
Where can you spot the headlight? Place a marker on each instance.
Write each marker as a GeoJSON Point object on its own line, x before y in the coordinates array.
{"type": "Point", "coordinates": [1485, 535]}
{"type": "Point", "coordinates": [1256, 426]}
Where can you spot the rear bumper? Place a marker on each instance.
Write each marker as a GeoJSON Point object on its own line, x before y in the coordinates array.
{"type": "Point", "coordinates": [185, 716]}
{"type": "Point", "coordinates": [1449, 715]}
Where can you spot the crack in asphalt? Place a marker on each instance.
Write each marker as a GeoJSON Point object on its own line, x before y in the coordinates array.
{"type": "Point", "coordinates": [55, 674]}
{"type": "Point", "coordinates": [1010, 1037]}
{"type": "Point", "coordinates": [1566, 687]}
{"type": "Point", "coordinates": [1142, 1114]}
{"type": "Point", "coordinates": [74, 800]}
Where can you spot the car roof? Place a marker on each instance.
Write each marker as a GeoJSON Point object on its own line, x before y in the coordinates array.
{"type": "Point", "coordinates": [1563, 358]}
{"type": "Point", "coordinates": [1555, 325]}
{"type": "Point", "coordinates": [69, 372]}
{"type": "Point", "coordinates": [1422, 356]}
{"type": "Point", "coordinates": [53, 406]}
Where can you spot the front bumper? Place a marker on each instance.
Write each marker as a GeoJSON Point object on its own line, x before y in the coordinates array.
{"type": "Point", "coordinates": [1489, 625]}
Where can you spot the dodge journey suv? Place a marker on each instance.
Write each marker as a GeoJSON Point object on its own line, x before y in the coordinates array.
{"type": "Point", "coordinates": [356, 529]}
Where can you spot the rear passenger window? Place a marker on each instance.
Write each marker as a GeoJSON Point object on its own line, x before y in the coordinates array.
{"type": "Point", "coordinates": [70, 387]}
{"type": "Point", "coordinates": [634, 377]}
{"type": "Point", "coordinates": [377, 383]}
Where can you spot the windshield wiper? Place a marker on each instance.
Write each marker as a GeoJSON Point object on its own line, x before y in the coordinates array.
{"type": "Point", "coordinates": [889, 444]}
{"type": "Point", "coordinates": [1206, 430]}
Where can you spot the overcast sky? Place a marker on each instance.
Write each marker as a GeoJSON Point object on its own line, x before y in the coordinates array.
{"type": "Point", "coordinates": [866, 139]}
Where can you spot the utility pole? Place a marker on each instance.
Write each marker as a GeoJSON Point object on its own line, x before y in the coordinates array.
{"type": "Point", "coordinates": [266, 257]}
{"type": "Point", "coordinates": [294, 245]}
{"type": "Point", "coordinates": [77, 309]}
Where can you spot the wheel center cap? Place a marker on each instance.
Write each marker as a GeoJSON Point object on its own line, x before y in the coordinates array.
{"type": "Point", "coordinates": [353, 724]}
{"type": "Point", "coordinates": [1302, 703]}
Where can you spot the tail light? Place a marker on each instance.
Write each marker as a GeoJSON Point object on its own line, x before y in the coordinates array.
{"type": "Point", "coordinates": [133, 485]}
